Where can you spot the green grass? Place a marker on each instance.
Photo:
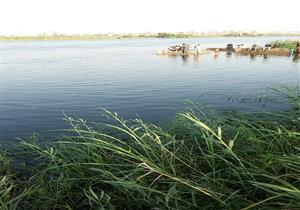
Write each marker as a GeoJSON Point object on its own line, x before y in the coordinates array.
{"type": "Point", "coordinates": [285, 44]}
{"type": "Point", "coordinates": [200, 160]}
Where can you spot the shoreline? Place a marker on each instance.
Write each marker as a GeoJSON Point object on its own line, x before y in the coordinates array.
{"type": "Point", "coordinates": [99, 37]}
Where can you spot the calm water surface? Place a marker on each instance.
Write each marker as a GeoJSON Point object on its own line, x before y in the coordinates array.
{"type": "Point", "coordinates": [42, 79]}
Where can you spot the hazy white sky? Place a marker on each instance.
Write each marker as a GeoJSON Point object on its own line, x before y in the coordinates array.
{"type": "Point", "coordinates": [100, 16]}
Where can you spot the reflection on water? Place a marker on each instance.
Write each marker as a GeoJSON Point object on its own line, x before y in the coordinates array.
{"type": "Point", "coordinates": [252, 56]}
{"type": "Point", "coordinates": [229, 54]}
{"type": "Point", "coordinates": [296, 58]}
{"type": "Point", "coordinates": [43, 79]}
{"type": "Point", "coordinates": [184, 58]}
{"type": "Point", "coordinates": [197, 58]}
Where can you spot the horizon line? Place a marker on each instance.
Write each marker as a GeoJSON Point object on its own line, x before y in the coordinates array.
{"type": "Point", "coordinates": [211, 32]}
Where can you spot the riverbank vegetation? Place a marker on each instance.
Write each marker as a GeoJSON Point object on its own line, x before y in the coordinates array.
{"type": "Point", "coordinates": [290, 44]}
{"type": "Point", "coordinates": [102, 36]}
{"type": "Point", "coordinates": [200, 160]}
{"type": "Point", "coordinates": [108, 36]}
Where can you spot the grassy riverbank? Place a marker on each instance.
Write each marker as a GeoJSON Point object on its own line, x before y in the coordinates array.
{"type": "Point", "coordinates": [200, 160]}
{"type": "Point", "coordinates": [138, 36]}
{"type": "Point", "coordinates": [285, 44]}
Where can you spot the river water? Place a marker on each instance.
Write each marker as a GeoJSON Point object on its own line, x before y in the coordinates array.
{"type": "Point", "coordinates": [41, 80]}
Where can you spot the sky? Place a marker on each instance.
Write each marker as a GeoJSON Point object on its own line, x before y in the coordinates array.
{"type": "Point", "coordinates": [33, 17]}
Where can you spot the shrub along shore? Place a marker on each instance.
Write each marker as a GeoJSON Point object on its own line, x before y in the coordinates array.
{"type": "Point", "coordinates": [290, 44]}
{"type": "Point", "coordinates": [199, 160]}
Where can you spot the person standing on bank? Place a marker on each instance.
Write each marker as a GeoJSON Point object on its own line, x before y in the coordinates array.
{"type": "Point", "coordinates": [183, 49]}
{"type": "Point", "coordinates": [197, 49]}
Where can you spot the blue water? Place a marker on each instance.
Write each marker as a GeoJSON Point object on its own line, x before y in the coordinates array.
{"type": "Point", "coordinates": [41, 80]}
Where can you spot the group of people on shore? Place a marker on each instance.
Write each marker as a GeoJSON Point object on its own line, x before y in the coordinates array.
{"type": "Point", "coordinates": [185, 49]}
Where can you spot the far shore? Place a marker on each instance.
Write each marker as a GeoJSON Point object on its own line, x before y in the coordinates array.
{"type": "Point", "coordinates": [136, 36]}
